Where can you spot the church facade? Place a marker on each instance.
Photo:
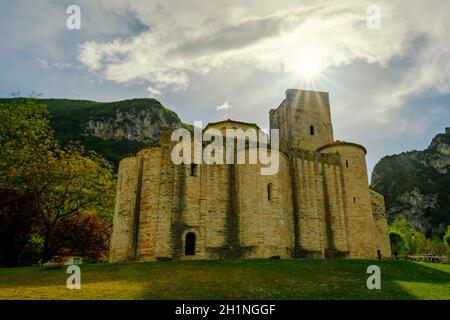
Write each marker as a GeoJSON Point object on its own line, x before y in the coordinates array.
{"type": "Point", "coordinates": [317, 205]}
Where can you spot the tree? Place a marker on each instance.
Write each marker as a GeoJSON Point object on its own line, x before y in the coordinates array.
{"type": "Point", "coordinates": [397, 243]}
{"type": "Point", "coordinates": [62, 182]}
{"type": "Point", "coordinates": [414, 240]}
{"type": "Point", "coordinates": [447, 238]}
{"type": "Point", "coordinates": [69, 183]}
{"type": "Point", "coordinates": [87, 234]}
{"type": "Point", "coordinates": [436, 246]}
{"type": "Point", "coordinates": [25, 138]}
{"type": "Point", "coordinates": [17, 223]}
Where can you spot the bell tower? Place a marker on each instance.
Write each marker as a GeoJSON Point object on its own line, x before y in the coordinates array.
{"type": "Point", "coordinates": [304, 120]}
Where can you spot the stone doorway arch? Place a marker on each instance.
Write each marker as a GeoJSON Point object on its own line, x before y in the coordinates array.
{"type": "Point", "coordinates": [190, 244]}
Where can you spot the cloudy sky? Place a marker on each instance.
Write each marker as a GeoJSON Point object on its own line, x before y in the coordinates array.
{"type": "Point", "coordinates": [209, 60]}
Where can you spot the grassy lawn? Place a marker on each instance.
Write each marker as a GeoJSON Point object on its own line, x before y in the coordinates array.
{"type": "Point", "coordinates": [232, 279]}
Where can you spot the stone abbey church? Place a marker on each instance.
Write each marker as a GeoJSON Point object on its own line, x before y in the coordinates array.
{"type": "Point", "coordinates": [318, 205]}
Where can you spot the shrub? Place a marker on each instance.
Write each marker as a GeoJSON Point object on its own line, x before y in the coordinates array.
{"type": "Point", "coordinates": [86, 234]}
{"type": "Point", "coordinates": [447, 238]}
{"type": "Point", "coordinates": [398, 244]}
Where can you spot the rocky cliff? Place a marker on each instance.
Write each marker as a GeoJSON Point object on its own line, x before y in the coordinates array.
{"type": "Point", "coordinates": [417, 185]}
{"type": "Point", "coordinates": [113, 129]}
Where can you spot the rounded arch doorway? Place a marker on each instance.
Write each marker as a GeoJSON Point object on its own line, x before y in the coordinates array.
{"type": "Point", "coordinates": [189, 244]}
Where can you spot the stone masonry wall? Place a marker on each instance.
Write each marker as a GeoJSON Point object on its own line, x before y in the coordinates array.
{"type": "Point", "coordinates": [318, 198]}
{"type": "Point", "coordinates": [121, 238]}
{"type": "Point", "coordinates": [319, 207]}
{"type": "Point", "coordinates": [318, 204]}
{"type": "Point", "coordinates": [225, 206]}
{"type": "Point", "coordinates": [265, 221]}
{"type": "Point", "coordinates": [359, 221]}
{"type": "Point", "coordinates": [381, 226]}
{"type": "Point", "coordinates": [300, 111]}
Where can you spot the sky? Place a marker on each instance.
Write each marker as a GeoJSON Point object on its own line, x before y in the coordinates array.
{"type": "Point", "coordinates": [385, 64]}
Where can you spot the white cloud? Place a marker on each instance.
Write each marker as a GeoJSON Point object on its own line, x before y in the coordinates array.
{"type": "Point", "coordinates": [153, 92]}
{"type": "Point", "coordinates": [64, 65]}
{"type": "Point", "coordinates": [288, 39]}
{"type": "Point", "coordinates": [224, 106]}
{"type": "Point", "coordinates": [192, 38]}
{"type": "Point", "coordinates": [43, 63]}
{"type": "Point", "coordinates": [283, 36]}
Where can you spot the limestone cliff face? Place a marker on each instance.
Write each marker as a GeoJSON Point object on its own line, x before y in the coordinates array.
{"type": "Point", "coordinates": [113, 129]}
{"type": "Point", "coordinates": [417, 185]}
{"type": "Point", "coordinates": [439, 157]}
{"type": "Point", "coordinates": [134, 125]}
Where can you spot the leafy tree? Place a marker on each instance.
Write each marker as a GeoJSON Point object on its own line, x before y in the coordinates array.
{"type": "Point", "coordinates": [67, 184]}
{"type": "Point", "coordinates": [447, 238]}
{"type": "Point", "coordinates": [62, 182]}
{"type": "Point", "coordinates": [397, 243]}
{"type": "Point", "coordinates": [436, 246]}
{"type": "Point", "coordinates": [25, 138]}
{"type": "Point", "coordinates": [415, 241]}
{"type": "Point", "coordinates": [86, 234]}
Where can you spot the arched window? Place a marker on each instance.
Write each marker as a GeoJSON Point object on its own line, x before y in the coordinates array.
{"type": "Point", "coordinates": [189, 245]}
{"type": "Point", "coordinates": [311, 130]}
{"type": "Point", "coordinates": [270, 191]}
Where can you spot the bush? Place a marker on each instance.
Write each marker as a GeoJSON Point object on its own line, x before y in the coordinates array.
{"type": "Point", "coordinates": [436, 246]}
{"type": "Point", "coordinates": [86, 234]}
{"type": "Point", "coordinates": [398, 244]}
{"type": "Point", "coordinates": [447, 238]}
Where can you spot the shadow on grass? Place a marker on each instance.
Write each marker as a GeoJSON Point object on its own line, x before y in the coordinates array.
{"type": "Point", "coordinates": [294, 279]}
{"type": "Point", "coordinates": [238, 279]}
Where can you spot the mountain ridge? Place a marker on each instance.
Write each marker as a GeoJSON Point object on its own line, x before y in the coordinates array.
{"type": "Point", "coordinates": [112, 129]}
{"type": "Point", "coordinates": [417, 185]}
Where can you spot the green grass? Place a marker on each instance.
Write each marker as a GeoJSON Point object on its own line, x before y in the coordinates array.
{"type": "Point", "coordinates": [232, 279]}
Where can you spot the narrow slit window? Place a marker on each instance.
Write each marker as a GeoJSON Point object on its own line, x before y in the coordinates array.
{"type": "Point", "coordinates": [270, 192]}
{"type": "Point", "coordinates": [354, 199]}
{"type": "Point", "coordinates": [311, 130]}
{"type": "Point", "coordinates": [346, 163]}
{"type": "Point", "coordinates": [193, 169]}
